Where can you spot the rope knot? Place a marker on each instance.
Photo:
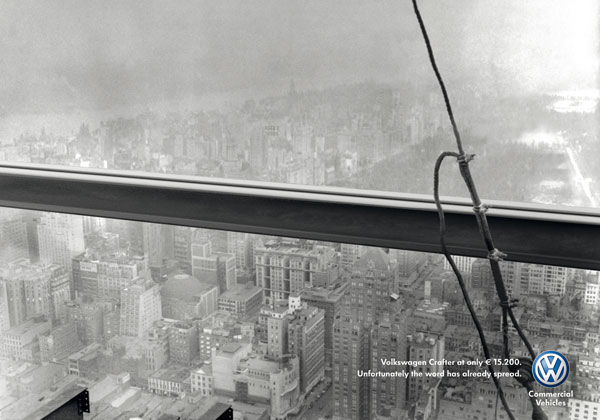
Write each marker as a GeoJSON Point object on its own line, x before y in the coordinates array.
{"type": "Point", "coordinates": [481, 209]}
{"type": "Point", "coordinates": [465, 158]}
{"type": "Point", "coordinates": [496, 255]}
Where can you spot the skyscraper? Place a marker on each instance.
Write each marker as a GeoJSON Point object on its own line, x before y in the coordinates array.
{"type": "Point", "coordinates": [277, 332]}
{"type": "Point", "coordinates": [351, 353]}
{"type": "Point", "coordinates": [306, 331]}
{"type": "Point", "coordinates": [158, 244]}
{"type": "Point", "coordinates": [13, 295]}
{"type": "Point", "coordinates": [35, 289]}
{"type": "Point", "coordinates": [217, 268]}
{"type": "Point", "coordinates": [423, 346]}
{"type": "Point", "coordinates": [242, 246]}
{"type": "Point", "coordinates": [388, 340]}
{"type": "Point", "coordinates": [14, 243]}
{"type": "Point", "coordinates": [371, 284]}
{"type": "Point", "coordinates": [60, 238]}
{"type": "Point", "coordinates": [183, 342]}
{"type": "Point", "coordinates": [140, 307]}
{"type": "Point", "coordinates": [331, 301]}
{"type": "Point", "coordinates": [182, 247]}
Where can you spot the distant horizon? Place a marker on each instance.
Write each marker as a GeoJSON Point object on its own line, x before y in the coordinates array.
{"type": "Point", "coordinates": [66, 122]}
{"type": "Point", "coordinates": [98, 56]}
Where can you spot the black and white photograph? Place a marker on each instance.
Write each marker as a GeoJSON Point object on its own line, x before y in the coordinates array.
{"type": "Point", "coordinates": [300, 209]}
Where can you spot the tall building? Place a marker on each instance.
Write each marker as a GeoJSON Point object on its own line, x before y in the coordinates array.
{"type": "Point", "coordinates": [288, 267]}
{"type": "Point", "coordinates": [36, 286]}
{"type": "Point", "coordinates": [182, 247]}
{"type": "Point", "coordinates": [331, 301]}
{"type": "Point", "coordinates": [14, 243]}
{"type": "Point", "coordinates": [351, 354]}
{"type": "Point", "coordinates": [522, 279]}
{"type": "Point", "coordinates": [140, 307]}
{"type": "Point", "coordinates": [217, 268]}
{"type": "Point", "coordinates": [158, 244]}
{"type": "Point", "coordinates": [547, 279]}
{"type": "Point", "coordinates": [388, 341]}
{"type": "Point", "coordinates": [306, 339]}
{"type": "Point", "coordinates": [242, 246]}
{"type": "Point", "coordinates": [4, 311]}
{"type": "Point", "coordinates": [423, 346]}
{"type": "Point", "coordinates": [350, 254]}
{"type": "Point", "coordinates": [104, 276]}
{"type": "Point", "coordinates": [60, 238]}
{"type": "Point", "coordinates": [277, 331]}
{"type": "Point", "coordinates": [12, 298]}
{"type": "Point", "coordinates": [93, 224]}
{"type": "Point", "coordinates": [481, 277]}
{"type": "Point", "coordinates": [591, 295]}
{"type": "Point", "coordinates": [371, 284]}
{"type": "Point", "coordinates": [183, 343]}
{"type": "Point", "coordinates": [36, 289]}
{"type": "Point", "coordinates": [47, 290]}
{"type": "Point", "coordinates": [60, 291]}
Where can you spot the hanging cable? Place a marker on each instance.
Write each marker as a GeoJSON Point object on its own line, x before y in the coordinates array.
{"type": "Point", "coordinates": [494, 255]}
{"type": "Point", "coordinates": [461, 282]}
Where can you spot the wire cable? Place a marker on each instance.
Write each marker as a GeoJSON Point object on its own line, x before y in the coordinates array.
{"type": "Point", "coordinates": [461, 282]}
{"type": "Point", "coordinates": [494, 255]}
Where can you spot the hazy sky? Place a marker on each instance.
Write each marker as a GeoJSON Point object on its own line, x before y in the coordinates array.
{"type": "Point", "coordinates": [99, 54]}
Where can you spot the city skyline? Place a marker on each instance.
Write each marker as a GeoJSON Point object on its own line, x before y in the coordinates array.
{"type": "Point", "coordinates": [340, 108]}
{"type": "Point", "coordinates": [310, 315]}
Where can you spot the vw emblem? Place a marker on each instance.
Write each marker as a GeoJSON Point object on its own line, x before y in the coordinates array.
{"type": "Point", "coordinates": [550, 368]}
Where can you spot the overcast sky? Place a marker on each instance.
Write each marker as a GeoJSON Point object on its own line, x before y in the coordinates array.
{"type": "Point", "coordinates": [100, 54]}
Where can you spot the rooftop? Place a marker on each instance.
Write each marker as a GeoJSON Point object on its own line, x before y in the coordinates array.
{"type": "Point", "coordinates": [184, 287]}
{"type": "Point", "coordinates": [230, 347]}
{"type": "Point", "coordinates": [33, 327]}
{"type": "Point", "coordinates": [240, 292]}
{"type": "Point", "coordinates": [172, 374]}
{"type": "Point", "coordinates": [85, 352]}
{"type": "Point", "coordinates": [323, 294]}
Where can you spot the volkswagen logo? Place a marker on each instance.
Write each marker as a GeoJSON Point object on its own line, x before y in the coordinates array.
{"type": "Point", "coordinates": [550, 368]}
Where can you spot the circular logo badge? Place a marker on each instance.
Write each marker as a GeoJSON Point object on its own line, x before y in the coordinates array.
{"type": "Point", "coordinates": [550, 368]}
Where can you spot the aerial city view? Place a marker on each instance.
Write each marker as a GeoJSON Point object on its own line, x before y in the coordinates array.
{"type": "Point", "coordinates": [165, 321]}
{"type": "Point", "coordinates": [172, 322]}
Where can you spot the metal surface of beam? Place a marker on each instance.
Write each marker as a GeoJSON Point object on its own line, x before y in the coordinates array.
{"type": "Point", "coordinates": [530, 233]}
